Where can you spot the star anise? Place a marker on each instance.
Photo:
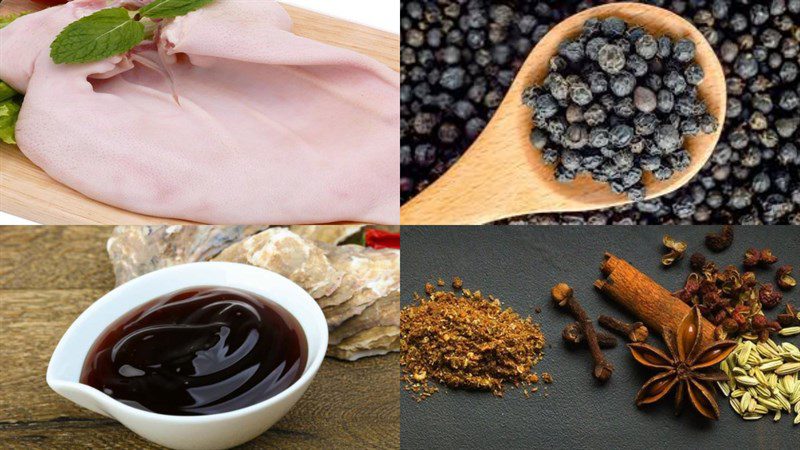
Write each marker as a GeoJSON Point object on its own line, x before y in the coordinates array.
{"type": "Point", "coordinates": [689, 368]}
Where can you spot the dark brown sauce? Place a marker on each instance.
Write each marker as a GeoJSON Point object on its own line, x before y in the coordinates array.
{"type": "Point", "coordinates": [202, 350]}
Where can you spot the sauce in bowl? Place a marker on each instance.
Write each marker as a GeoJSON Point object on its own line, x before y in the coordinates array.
{"type": "Point", "coordinates": [197, 351]}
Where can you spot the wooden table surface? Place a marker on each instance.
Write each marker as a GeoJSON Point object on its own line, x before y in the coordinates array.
{"type": "Point", "coordinates": [49, 275]}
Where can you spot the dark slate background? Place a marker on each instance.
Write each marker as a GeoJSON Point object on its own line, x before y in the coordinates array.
{"type": "Point", "coordinates": [520, 265]}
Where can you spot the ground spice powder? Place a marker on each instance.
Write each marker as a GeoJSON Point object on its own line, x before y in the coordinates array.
{"type": "Point", "coordinates": [466, 341]}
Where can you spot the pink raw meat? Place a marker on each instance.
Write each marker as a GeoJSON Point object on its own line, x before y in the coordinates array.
{"type": "Point", "coordinates": [269, 127]}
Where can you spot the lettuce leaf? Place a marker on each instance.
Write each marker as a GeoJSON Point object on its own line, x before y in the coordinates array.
{"type": "Point", "coordinates": [6, 92]}
{"type": "Point", "coordinates": [9, 111]}
{"type": "Point", "coordinates": [10, 100]}
{"type": "Point", "coordinates": [5, 20]}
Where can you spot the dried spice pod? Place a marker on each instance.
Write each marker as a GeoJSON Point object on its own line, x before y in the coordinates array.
{"type": "Point", "coordinates": [763, 327]}
{"type": "Point", "coordinates": [677, 249]}
{"type": "Point", "coordinates": [718, 242]}
{"type": "Point", "coordinates": [687, 368]}
{"type": "Point", "coordinates": [790, 317]}
{"type": "Point", "coordinates": [763, 258]}
{"type": "Point", "coordinates": [784, 277]}
{"type": "Point", "coordinates": [697, 261]}
{"type": "Point", "coordinates": [769, 297]}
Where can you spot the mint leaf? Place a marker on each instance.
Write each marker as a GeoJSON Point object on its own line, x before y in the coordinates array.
{"type": "Point", "coordinates": [5, 20]}
{"type": "Point", "coordinates": [9, 111]}
{"type": "Point", "coordinates": [106, 33]}
{"type": "Point", "coordinates": [165, 9]}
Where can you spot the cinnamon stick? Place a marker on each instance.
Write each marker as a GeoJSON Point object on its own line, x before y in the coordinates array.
{"type": "Point", "coordinates": [647, 300]}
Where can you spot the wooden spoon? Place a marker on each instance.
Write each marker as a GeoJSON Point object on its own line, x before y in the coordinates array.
{"type": "Point", "coordinates": [503, 175]}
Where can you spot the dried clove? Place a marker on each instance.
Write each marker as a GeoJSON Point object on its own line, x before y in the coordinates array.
{"type": "Point", "coordinates": [762, 258]}
{"type": "Point", "coordinates": [784, 277]}
{"type": "Point", "coordinates": [677, 249]}
{"type": "Point", "coordinates": [573, 334]}
{"type": "Point", "coordinates": [718, 242]}
{"type": "Point", "coordinates": [563, 297]}
{"type": "Point", "coordinates": [635, 332]}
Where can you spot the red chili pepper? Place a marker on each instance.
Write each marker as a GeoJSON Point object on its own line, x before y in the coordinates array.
{"type": "Point", "coordinates": [378, 239]}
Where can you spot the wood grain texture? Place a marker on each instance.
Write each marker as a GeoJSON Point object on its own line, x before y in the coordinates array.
{"type": "Point", "coordinates": [28, 192]}
{"type": "Point", "coordinates": [502, 175]}
{"type": "Point", "coordinates": [49, 275]}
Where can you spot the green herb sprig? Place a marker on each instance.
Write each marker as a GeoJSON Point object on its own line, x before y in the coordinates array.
{"type": "Point", "coordinates": [113, 31]}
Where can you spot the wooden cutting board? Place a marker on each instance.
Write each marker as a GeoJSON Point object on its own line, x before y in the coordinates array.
{"type": "Point", "coordinates": [28, 192]}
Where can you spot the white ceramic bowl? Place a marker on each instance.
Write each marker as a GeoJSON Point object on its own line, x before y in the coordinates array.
{"type": "Point", "coordinates": [212, 431]}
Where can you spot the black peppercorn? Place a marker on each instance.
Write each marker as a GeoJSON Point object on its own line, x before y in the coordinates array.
{"type": "Point", "coordinates": [580, 93]}
{"type": "Point", "coordinates": [675, 82]}
{"type": "Point", "coordinates": [621, 135]}
{"type": "Point", "coordinates": [598, 82]}
{"type": "Point", "coordinates": [622, 83]}
{"type": "Point", "coordinates": [425, 155]}
{"type": "Point", "coordinates": [613, 27]}
{"type": "Point", "coordinates": [573, 51]}
{"type": "Point", "coordinates": [693, 74]}
{"type": "Point", "coordinates": [599, 137]}
{"type": "Point", "coordinates": [646, 46]}
{"type": "Point", "coordinates": [667, 137]}
{"type": "Point", "coordinates": [665, 101]}
{"type": "Point", "coordinates": [644, 99]}
{"type": "Point", "coordinates": [594, 115]}
{"type": "Point", "coordinates": [745, 65]}
{"type": "Point", "coordinates": [683, 50]}
{"type": "Point", "coordinates": [593, 47]}
{"type": "Point", "coordinates": [637, 65]}
{"type": "Point", "coordinates": [611, 58]}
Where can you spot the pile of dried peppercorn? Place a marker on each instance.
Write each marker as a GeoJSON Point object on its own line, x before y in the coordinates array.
{"type": "Point", "coordinates": [466, 341]}
{"type": "Point", "coordinates": [617, 102]}
{"type": "Point", "coordinates": [459, 58]}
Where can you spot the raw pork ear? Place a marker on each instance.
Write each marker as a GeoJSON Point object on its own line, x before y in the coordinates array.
{"type": "Point", "coordinates": [227, 118]}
